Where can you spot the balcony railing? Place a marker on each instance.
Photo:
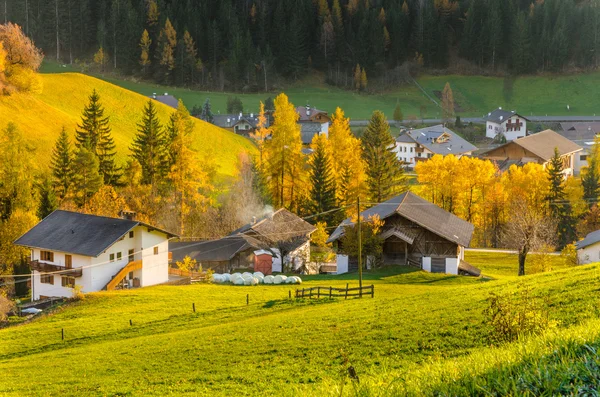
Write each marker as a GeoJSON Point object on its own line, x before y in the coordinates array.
{"type": "Point", "coordinates": [48, 268]}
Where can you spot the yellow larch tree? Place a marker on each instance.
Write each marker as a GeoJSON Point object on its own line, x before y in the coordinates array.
{"type": "Point", "coordinates": [145, 43]}
{"type": "Point", "coordinates": [284, 161]}
{"type": "Point", "coordinates": [260, 136]}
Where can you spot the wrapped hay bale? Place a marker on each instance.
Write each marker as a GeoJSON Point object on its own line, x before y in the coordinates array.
{"type": "Point", "coordinates": [238, 281]}
{"type": "Point", "coordinates": [246, 274]}
{"type": "Point", "coordinates": [260, 279]}
{"type": "Point", "coordinates": [254, 281]}
{"type": "Point", "coordinates": [217, 278]}
{"type": "Point", "coordinates": [268, 279]}
{"type": "Point", "coordinates": [226, 277]}
{"type": "Point", "coordinates": [257, 274]}
{"type": "Point", "coordinates": [279, 279]}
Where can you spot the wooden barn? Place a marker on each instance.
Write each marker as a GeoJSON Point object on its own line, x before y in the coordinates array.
{"type": "Point", "coordinates": [415, 232]}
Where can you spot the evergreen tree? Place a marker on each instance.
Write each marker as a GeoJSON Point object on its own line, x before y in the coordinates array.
{"type": "Point", "coordinates": [385, 175]}
{"type": "Point", "coordinates": [180, 122]}
{"type": "Point", "coordinates": [447, 103]}
{"type": "Point", "coordinates": [556, 196]}
{"type": "Point", "coordinates": [590, 181]}
{"type": "Point", "coordinates": [95, 133]}
{"type": "Point", "coordinates": [86, 178]}
{"type": "Point", "coordinates": [47, 199]}
{"type": "Point", "coordinates": [398, 116]}
{"type": "Point", "coordinates": [322, 184]}
{"type": "Point", "coordinates": [61, 164]}
{"type": "Point", "coordinates": [206, 114]}
{"type": "Point", "coordinates": [149, 146]}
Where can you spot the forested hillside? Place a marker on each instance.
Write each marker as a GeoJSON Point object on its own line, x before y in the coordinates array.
{"type": "Point", "coordinates": [237, 45]}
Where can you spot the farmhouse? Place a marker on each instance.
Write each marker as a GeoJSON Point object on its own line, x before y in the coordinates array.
{"type": "Point", "coordinates": [419, 145]}
{"type": "Point", "coordinates": [94, 252]}
{"type": "Point", "coordinates": [286, 235]}
{"type": "Point", "coordinates": [415, 232]}
{"type": "Point", "coordinates": [537, 148]}
{"type": "Point", "coordinates": [312, 122]}
{"type": "Point", "coordinates": [504, 123]}
{"type": "Point", "coordinates": [588, 249]}
{"type": "Point", "coordinates": [242, 124]}
{"type": "Point", "coordinates": [226, 254]}
{"type": "Point", "coordinates": [583, 134]}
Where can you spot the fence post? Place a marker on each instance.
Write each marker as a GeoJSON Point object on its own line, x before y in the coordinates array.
{"type": "Point", "coordinates": [346, 291]}
{"type": "Point", "coordinates": [247, 299]}
{"type": "Point", "coordinates": [130, 323]}
{"type": "Point", "coordinates": [289, 294]}
{"type": "Point", "coordinates": [372, 291]}
{"type": "Point", "coordinates": [329, 292]}
{"type": "Point", "coordinates": [194, 306]}
{"type": "Point", "coordinates": [318, 292]}
{"type": "Point", "coordinates": [62, 333]}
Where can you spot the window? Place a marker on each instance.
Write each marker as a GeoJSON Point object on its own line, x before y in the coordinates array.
{"type": "Point", "coordinates": [68, 282]}
{"type": "Point", "coordinates": [155, 250]}
{"type": "Point", "coordinates": [131, 275]}
{"type": "Point", "coordinates": [583, 157]}
{"type": "Point", "coordinates": [47, 256]}
{"type": "Point", "coordinates": [68, 261]}
{"type": "Point", "coordinates": [411, 149]}
{"type": "Point", "coordinates": [130, 258]}
{"type": "Point", "coordinates": [47, 279]}
{"type": "Point", "coordinates": [119, 257]}
{"type": "Point", "coordinates": [419, 154]}
{"type": "Point", "coordinates": [131, 234]}
{"type": "Point", "coordinates": [112, 257]}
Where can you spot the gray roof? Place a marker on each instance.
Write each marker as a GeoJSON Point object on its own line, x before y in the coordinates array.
{"type": "Point", "coordinates": [76, 233]}
{"type": "Point", "coordinates": [577, 131]}
{"type": "Point", "coordinates": [421, 212]}
{"type": "Point", "coordinates": [221, 250]}
{"type": "Point", "coordinates": [500, 115]}
{"type": "Point", "coordinates": [231, 120]}
{"type": "Point", "coordinates": [308, 130]}
{"type": "Point", "coordinates": [590, 239]}
{"type": "Point", "coordinates": [279, 226]}
{"type": "Point", "coordinates": [541, 144]}
{"type": "Point", "coordinates": [168, 100]}
{"type": "Point", "coordinates": [427, 137]}
{"type": "Point", "coordinates": [306, 112]}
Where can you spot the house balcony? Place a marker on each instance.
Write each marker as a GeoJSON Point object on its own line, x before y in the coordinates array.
{"type": "Point", "coordinates": [419, 149]}
{"type": "Point", "coordinates": [48, 268]}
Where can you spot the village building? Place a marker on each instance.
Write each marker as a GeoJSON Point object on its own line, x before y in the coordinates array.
{"type": "Point", "coordinates": [71, 249]}
{"type": "Point", "coordinates": [286, 235]}
{"type": "Point", "coordinates": [537, 148]}
{"type": "Point", "coordinates": [312, 122]}
{"type": "Point", "coordinates": [501, 122]}
{"type": "Point", "coordinates": [415, 232]}
{"type": "Point", "coordinates": [242, 124]}
{"type": "Point", "coordinates": [225, 255]}
{"type": "Point", "coordinates": [166, 99]}
{"type": "Point", "coordinates": [413, 146]}
{"type": "Point", "coordinates": [588, 249]}
{"type": "Point", "coordinates": [583, 134]}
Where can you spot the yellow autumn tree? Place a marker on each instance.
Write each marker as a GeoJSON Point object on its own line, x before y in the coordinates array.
{"type": "Point", "coordinates": [529, 182]}
{"type": "Point", "coordinates": [347, 162]}
{"type": "Point", "coordinates": [284, 163]}
{"type": "Point", "coordinates": [106, 202]}
{"type": "Point", "coordinates": [145, 43]}
{"type": "Point", "coordinates": [260, 135]}
{"type": "Point", "coordinates": [2, 60]}
{"type": "Point", "coordinates": [100, 58]}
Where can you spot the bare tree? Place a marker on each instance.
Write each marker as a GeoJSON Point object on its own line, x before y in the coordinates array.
{"type": "Point", "coordinates": [527, 230]}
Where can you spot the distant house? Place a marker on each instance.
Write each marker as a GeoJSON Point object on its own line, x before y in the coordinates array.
{"type": "Point", "coordinates": [94, 252]}
{"type": "Point", "coordinates": [419, 145]}
{"type": "Point", "coordinates": [583, 134]}
{"type": "Point", "coordinates": [242, 124]}
{"type": "Point", "coordinates": [223, 255]}
{"type": "Point", "coordinates": [537, 148]}
{"type": "Point", "coordinates": [312, 122]}
{"type": "Point", "coordinates": [285, 234]}
{"type": "Point", "coordinates": [509, 124]}
{"type": "Point", "coordinates": [166, 99]}
{"type": "Point", "coordinates": [415, 232]}
{"type": "Point", "coordinates": [588, 249]}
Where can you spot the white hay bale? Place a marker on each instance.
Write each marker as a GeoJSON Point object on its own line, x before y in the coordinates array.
{"type": "Point", "coordinates": [217, 278]}
{"type": "Point", "coordinates": [254, 281]}
{"type": "Point", "coordinates": [248, 281]}
{"type": "Point", "coordinates": [245, 274]}
{"type": "Point", "coordinates": [239, 281]}
{"type": "Point", "coordinates": [268, 279]}
{"type": "Point", "coordinates": [298, 280]}
{"type": "Point", "coordinates": [279, 279]}
{"type": "Point", "coordinates": [260, 279]}
{"type": "Point", "coordinates": [257, 274]}
{"type": "Point", "coordinates": [226, 277]}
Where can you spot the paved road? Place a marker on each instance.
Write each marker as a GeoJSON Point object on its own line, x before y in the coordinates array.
{"type": "Point", "coordinates": [547, 119]}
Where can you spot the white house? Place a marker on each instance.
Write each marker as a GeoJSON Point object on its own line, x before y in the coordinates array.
{"type": "Point", "coordinates": [312, 122]}
{"type": "Point", "coordinates": [588, 249]}
{"type": "Point", "coordinates": [503, 122]}
{"type": "Point", "coordinates": [95, 253]}
{"type": "Point", "coordinates": [419, 145]}
{"type": "Point", "coordinates": [415, 232]}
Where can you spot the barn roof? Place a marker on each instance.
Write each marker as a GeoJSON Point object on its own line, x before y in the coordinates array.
{"type": "Point", "coordinates": [591, 239]}
{"type": "Point", "coordinates": [421, 212]}
{"type": "Point", "coordinates": [429, 138]}
{"type": "Point", "coordinates": [278, 226]}
{"type": "Point", "coordinates": [543, 143]}
{"type": "Point", "coordinates": [220, 250]}
{"type": "Point", "coordinates": [500, 115]}
{"type": "Point", "coordinates": [76, 233]}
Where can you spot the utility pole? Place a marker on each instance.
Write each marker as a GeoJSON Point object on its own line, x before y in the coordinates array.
{"type": "Point", "coordinates": [359, 245]}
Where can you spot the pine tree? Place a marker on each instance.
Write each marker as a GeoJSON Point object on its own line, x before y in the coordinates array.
{"type": "Point", "coordinates": [149, 146]}
{"type": "Point", "coordinates": [61, 164]}
{"type": "Point", "coordinates": [398, 116]}
{"type": "Point", "coordinates": [86, 178]}
{"type": "Point", "coordinates": [385, 175]}
{"type": "Point", "coordinates": [322, 184]}
{"type": "Point", "coordinates": [591, 181]}
{"type": "Point", "coordinates": [180, 122]}
{"type": "Point", "coordinates": [363, 80]}
{"type": "Point", "coordinates": [556, 195]}
{"type": "Point", "coordinates": [47, 199]}
{"type": "Point", "coordinates": [357, 75]}
{"type": "Point", "coordinates": [145, 43]}
{"type": "Point", "coordinates": [95, 132]}
{"type": "Point", "coordinates": [191, 54]}
{"type": "Point", "coordinates": [206, 114]}
{"type": "Point", "coordinates": [167, 42]}
{"type": "Point", "coordinates": [447, 103]}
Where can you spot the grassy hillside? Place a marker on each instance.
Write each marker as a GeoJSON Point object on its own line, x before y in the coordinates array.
{"type": "Point", "coordinates": [474, 95]}
{"type": "Point", "coordinates": [273, 346]}
{"type": "Point", "coordinates": [42, 116]}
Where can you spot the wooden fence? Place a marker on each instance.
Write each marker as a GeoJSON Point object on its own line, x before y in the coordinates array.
{"type": "Point", "coordinates": [332, 292]}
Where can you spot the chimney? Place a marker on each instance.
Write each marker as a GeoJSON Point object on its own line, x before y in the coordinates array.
{"type": "Point", "coordinates": [129, 215]}
{"type": "Point", "coordinates": [253, 220]}
{"type": "Point", "coordinates": [307, 110]}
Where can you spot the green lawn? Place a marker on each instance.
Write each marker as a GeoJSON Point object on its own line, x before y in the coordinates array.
{"type": "Point", "coordinates": [475, 95]}
{"type": "Point", "coordinates": [273, 346]}
{"type": "Point", "coordinates": [507, 265]}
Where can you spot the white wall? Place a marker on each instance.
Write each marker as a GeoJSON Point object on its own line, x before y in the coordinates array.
{"type": "Point", "coordinates": [57, 289]}
{"type": "Point", "coordinates": [426, 264]}
{"type": "Point", "coordinates": [452, 265]}
{"type": "Point", "coordinates": [590, 254]}
{"type": "Point", "coordinates": [406, 152]}
{"type": "Point", "coordinates": [155, 268]}
{"type": "Point", "coordinates": [342, 264]}
{"type": "Point", "coordinates": [492, 129]}
{"type": "Point", "coordinates": [579, 163]}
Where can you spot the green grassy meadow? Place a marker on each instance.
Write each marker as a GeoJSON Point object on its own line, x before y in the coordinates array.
{"type": "Point", "coordinates": [41, 117]}
{"type": "Point", "coordinates": [475, 95]}
{"type": "Point", "coordinates": [421, 334]}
